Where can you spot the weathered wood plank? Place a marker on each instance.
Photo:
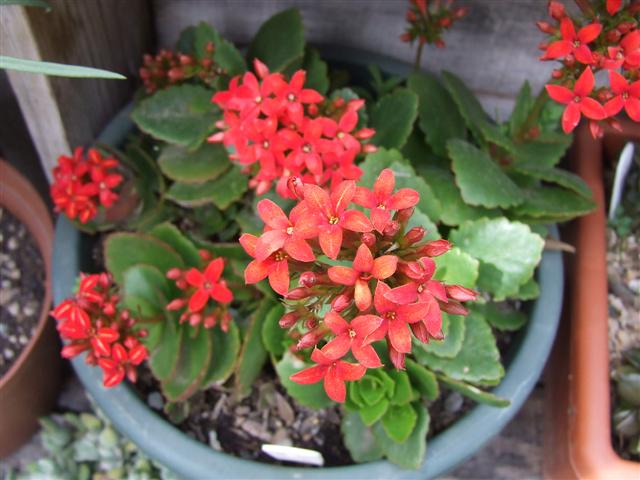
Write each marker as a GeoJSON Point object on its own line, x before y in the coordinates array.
{"type": "Point", "coordinates": [494, 49]}
{"type": "Point", "coordinates": [62, 112]}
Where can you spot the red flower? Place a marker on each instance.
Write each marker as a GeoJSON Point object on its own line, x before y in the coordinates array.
{"type": "Point", "coordinates": [396, 318]}
{"type": "Point", "coordinates": [365, 268]}
{"type": "Point", "coordinates": [208, 285]}
{"type": "Point", "coordinates": [333, 372]}
{"type": "Point", "coordinates": [275, 266]}
{"type": "Point", "coordinates": [626, 55]}
{"type": "Point", "coordinates": [577, 101]}
{"type": "Point", "coordinates": [382, 199]}
{"type": "Point", "coordinates": [574, 43]}
{"type": "Point", "coordinates": [355, 336]}
{"type": "Point", "coordinates": [122, 362]}
{"type": "Point", "coordinates": [290, 97]}
{"type": "Point", "coordinates": [613, 6]}
{"type": "Point", "coordinates": [289, 234]}
{"type": "Point", "coordinates": [332, 215]}
{"type": "Point", "coordinates": [626, 96]}
{"type": "Point", "coordinates": [342, 129]}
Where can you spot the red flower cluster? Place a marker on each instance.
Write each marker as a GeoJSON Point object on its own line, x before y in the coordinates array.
{"type": "Point", "coordinates": [81, 184]}
{"type": "Point", "coordinates": [427, 21]}
{"type": "Point", "coordinates": [169, 68]}
{"type": "Point", "coordinates": [382, 288]}
{"type": "Point", "coordinates": [607, 39]}
{"type": "Point", "coordinates": [277, 126]}
{"type": "Point", "coordinates": [200, 287]}
{"type": "Point", "coordinates": [91, 322]}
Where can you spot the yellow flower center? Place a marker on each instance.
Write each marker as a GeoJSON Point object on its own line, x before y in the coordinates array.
{"type": "Point", "coordinates": [333, 220]}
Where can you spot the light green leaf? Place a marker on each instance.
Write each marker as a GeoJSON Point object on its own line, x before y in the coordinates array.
{"type": "Point", "coordinates": [439, 118]}
{"type": "Point", "coordinates": [392, 118]}
{"type": "Point", "coordinates": [312, 396]}
{"type": "Point", "coordinates": [182, 115]}
{"type": "Point", "coordinates": [173, 237]}
{"type": "Point", "coordinates": [481, 181]}
{"type": "Point", "coordinates": [56, 69]}
{"type": "Point", "coordinates": [422, 379]}
{"type": "Point", "coordinates": [510, 248]}
{"type": "Point", "coordinates": [359, 439]}
{"type": "Point", "coordinates": [279, 41]}
{"type": "Point", "coordinates": [399, 421]}
{"type": "Point", "coordinates": [473, 392]}
{"type": "Point", "coordinates": [501, 316]}
{"type": "Point", "coordinates": [402, 393]}
{"type": "Point", "coordinates": [206, 163]}
{"type": "Point", "coordinates": [222, 191]}
{"type": "Point", "coordinates": [370, 414]}
{"type": "Point", "coordinates": [528, 291]}
{"type": "Point", "coordinates": [145, 291]}
{"type": "Point", "coordinates": [545, 151]}
{"type": "Point", "coordinates": [409, 454]}
{"type": "Point", "coordinates": [457, 267]}
{"type": "Point", "coordinates": [406, 177]}
{"type": "Point", "coordinates": [447, 348]}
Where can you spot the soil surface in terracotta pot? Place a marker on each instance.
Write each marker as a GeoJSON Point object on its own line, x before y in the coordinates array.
{"type": "Point", "coordinates": [22, 275]}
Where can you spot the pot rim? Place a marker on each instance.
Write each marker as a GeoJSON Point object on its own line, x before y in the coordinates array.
{"type": "Point", "coordinates": [22, 200]}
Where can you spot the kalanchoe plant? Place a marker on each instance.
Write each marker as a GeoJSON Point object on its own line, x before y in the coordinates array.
{"type": "Point", "coordinates": [604, 38]}
{"type": "Point", "coordinates": [626, 416]}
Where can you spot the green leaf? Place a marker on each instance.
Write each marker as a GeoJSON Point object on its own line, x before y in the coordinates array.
{"type": "Point", "coordinates": [230, 187]}
{"type": "Point", "coordinates": [478, 361]}
{"type": "Point", "coordinates": [225, 347]}
{"type": "Point", "coordinates": [145, 291]}
{"type": "Point", "coordinates": [56, 69]}
{"type": "Point", "coordinates": [433, 97]}
{"type": "Point", "coordinates": [370, 389]}
{"type": "Point", "coordinates": [193, 364]}
{"type": "Point", "coordinates": [392, 118]}
{"type": "Point", "coordinates": [422, 379]}
{"type": "Point", "coordinates": [454, 210]}
{"type": "Point", "coordinates": [312, 396]}
{"type": "Point", "coordinates": [170, 235]}
{"type": "Point", "coordinates": [359, 439]}
{"type": "Point", "coordinates": [457, 267]}
{"type": "Point", "coordinates": [192, 195]}
{"type": "Point", "coordinates": [555, 175]}
{"type": "Point", "coordinates": [164, 357]}
{"type": "Point", "coordinates": [253, 355]}
{"type": "Point", "coordinates": [545, 202]}
{"type": "Point", "coordinates": [481, 181]}
{"type": "Point", "coordinates": [182, 115]}
{"type": "Point", "coordinates": [406, 177]}
{"type": "Point", "coordinates": [545, 151]}
{"type": "Point", "coordinates": [419, 219]}
{"type": "Point", "coordinates": [509, 248]}
{"type": "Point", "coordinates": [399, 422]}
{"type": "Point", "coordinates": [402, 393]}
{"type": "Point", "coordinates": [501, 315]}
{"type": "Point", "coordinates": [316, 68]}
{"type": "Point", "coordinates": [524, 104]}
{"type": "Point", "coordinates": [409, 454]}
{"type": "Point", "coordinates": [124, 250]}
{"type": "Point", "coordinates": [273, 336]}
{"type": "Point", "coordinates": [474, 393]}
{"type": "Point", "coordinates": [370, 414]}
{"type": "Point", "coordinates": [226, 55]}
{"type": "Point", "coordinates": [468, 105]}
{"type": "Point", "coordinates": [206, 163]}
{"type": "Point", "coordinates": [279, 41]}
{"type": "Point", "coordinates": [528, 291]}
{"type": "Point", "coordinates": [447, 348]}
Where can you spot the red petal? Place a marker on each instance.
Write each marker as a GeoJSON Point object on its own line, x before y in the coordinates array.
{"type": "Point", "coordinates": [362, 295]}
{"type": "Point", "coordinates": [198, 300]}
{"type": "Point", "coordinates": [297, 80]}
{"type": "Point", "coordinates": [583, 54]}
{"type": "Point", "coordinates": [558, 49]}
{"type": "Point", "coordinates": [334, 386]}
{"type": "Point", "coordinates": [413, 312]}
{"type": "Point", "coordinates": [364, 197]}
{"type": "Point", "coordinates": [438, 290]}
{"type": "Point", "coordinates": [248, 242]}
{"type": "Point", "coordinates": [589, 33]}
{"type": "Point", "coordinates": [350, 371]}
{"type": "Point", "coordinates": [194, 277]}
{"type": "Point", "coordinates": [634, 89]}
{"type": "Point", "coordinates": [613, 106]}
{"type": "Point", "coordinates": [331, 240]}
{"type": "Point", "coordinates": [560, 94]}
{"type": "Point", "coordinates": [567, 30]}
{"type": "Point", "coordinates": [590, 108]}
{"type": "Point", "coordinates": [222, 294]}
{"type": "Point", "coordinates": [356, 221]}
{"type": "Point", "coordinates": [308, 95]}
{"type": "Point", "coordinates": [384, 185]}
{"type": "Point", "coordinates": [214, 269]}
{"type": "Point", "coordinates": [318, 199]}
{"type": "Point", "coordinates": [279, 277]}
{"type": "Point", "coordinates": [403, 198]}
{"type": "Point", "coordinates": [399, 336]}
{"type": "Point", "coordinates": [309, 375]}
{"type": "Point", "coordinates": [366, 355]}
{"type": "Point", "coordinates": [570, 117]}
{"type": "Point", "coordinates": [113, 377]}
{"type": "Point", "coordinates": [365, 325]}
{"type": "Point", "coordinates": [380, 301]}
{"type": "Point", "coordinates": [384, 267]}
{"type": "Point", "coordinates": [343, 275]}
{"type": "Point", "coordinates": [632, 107]}
{"type": "Point", "coordinates": [342, 195]}
{"type": "Point", "coordinates": [364, 260]}
{"type": "Point", "coordinates": [255, 272]}
{"type": "Point", "coordinates": [618, 83]}
{"type": "Point", "coordinates": [403, 294]}
{"type": "Point", "coordinates": [272, 215]}
{"type": "Point", "coordinates": [338, 347]}
{"type": "Point", "coordinates": [380, 218]}
{"type": "Point", "coordinates": [299, 250]}
{"type": "Point", "coordinates": [268, 243]}
{"type": "Point", "coordinates": [585, 83]}
{"type": "Point", "coordinates": [335, 322]}
{"type": "Point", "coordinates": [613, 6]}
{"type": "Point", "coordinates": [433, 319]}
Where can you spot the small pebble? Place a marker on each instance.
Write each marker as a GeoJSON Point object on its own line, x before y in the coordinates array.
{"type": "Point", "coordinates": [453, 402]}
{"type": "Point", "coordinates": [23, 339]}
{"type": "Point", "coordinates": [12, 243]}
{"type": "Point", "coordinates": [155, 401]}
{"type": "Point", "coordinates": [13, 309]}
{"type": "Point", "coordinates": [8, 353]}
{"type": "Point", "coordinates": [30, 308]}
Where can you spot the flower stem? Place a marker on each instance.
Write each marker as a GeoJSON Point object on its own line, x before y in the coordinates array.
{"type": "Point", "coordinates": [534, 114]}
{"type": "Point", "coordinates": [416, 66]}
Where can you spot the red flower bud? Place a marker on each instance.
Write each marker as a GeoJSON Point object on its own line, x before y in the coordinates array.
{"type": "Point", "coordinates": [181, 283]}
{"type": "Point", "coordinates": [308, 279]}
{"type": "Point", "coordinates": [420, 331]}
{"type": "Point", "coordinates": [626, 27]}
{"type": "Point", "coordinates": [460, 12]}
{"type": "Point", "coordinates": [439, 43]}
{"type": "Point", "coordinates": [546, 27]}
{"type": "Point", "coordinates": [460, 293]}
{"type": "Point", "coordinates": [288, 320]}
{"type": "Point", "coordinates": [411, 16]}
{"type": "Point", "coordinates": [296, 187]}
{"type": "Point", "coordinates": [369, 239]}
{"type": "Point", "coordinates": [414, 235]}
{"type": "Point", "coordinates": [174, 273]}
{"type": "Point", "coordinates": [392, 228]}
{"type": "Point", "coordinates": [210, 321]}
{"type": "Point", "coordinates": [205, 254]}
{"type": "Point", "coordinates": [405, 37]}
{"type": "Point", "coordinates": [404, 215]}
{"type": "Point", "coordinates": [311, 323]}
{"type": "Point", "coordinates": [435, 248]}
{"type": "Point", "coordinates": [557, 73]}
{"type": "Point", "coordinates": [176, 304]}
{"type": "Point", "coordinates": [176, 74]}
{"type": "Point", "coordinates": [206, 63]}
{"type": "Point", "coordinates": [309, 339]}
{"type": "Point", "coordinates": [445, 22]}
{"type": "Point", "coordinates": [453, 307]}
{"type": "Point", "coordinates": [613, 35]}
{"type": "Point", "coordinates": [340, 302]}
{"type": "Point", "coordinates": [298, 293]}
{"type": "Point", "coordinates": [186, 59]}
{"type": "Point", "coordinates": [210, 47]}
{"type": "Point", "coordinates": [396, 357]}
{"type": "Point", "coordinates": [195, 319]}
{"type": "Point", "coordinates": [556, 10]}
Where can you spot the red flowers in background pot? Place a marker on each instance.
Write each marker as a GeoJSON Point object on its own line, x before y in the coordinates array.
{"type": "Point", "coordinates": [344, 259]}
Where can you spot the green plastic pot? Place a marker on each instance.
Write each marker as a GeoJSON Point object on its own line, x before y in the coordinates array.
{"type": "Point", "coordinates": [191, 459]}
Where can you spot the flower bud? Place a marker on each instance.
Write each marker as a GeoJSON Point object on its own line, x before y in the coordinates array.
{"type": "Point", "coordinates": [453, 307]}
{"type": "Point", "coordinates": [404, 215]}
{"type": "Point", "coordinates": [288, 320]}
{"type": "Point", "coordinates": [557, 73]}
{"type": "Point", "coordinates": [226, 320]}
{"type": "Point", "coordinates": [392, 228]}
{"type": "Point", "coordinates": [460, 293]}
{"type": "Point", "coordinates": [210, 321]}
{"type": "Point", "coordinates": [186, 59]}
{"type": "Point", "coordinates": [195, 319]}
{"type": "Point", "coordinates": [396, 358]}
{"type": "Point", "coordinates": [615, 124]}
{"type": "Point", "coordinates": [176, 304]}
{"type": "Point", "coordinates": [546, 27]}
{"type": "Point", "coordinates": [308, 279]}
{"type": "Point", "coordinates": [411, 16]}
{"type": "Point", "coordinates": [309, 339]}
{"type": "Point", "coordinates": [298, 294]}
{"type": "Point", "coordinates": [176, 74]}
{"type": "Point", "coordinates": [341, 302]}
{"type": "Point", "coordinates": [296, 187]}
{"type": "Point", "coordinates": [181, 283]}
{"type": "Point", "coordinates": [556, 10]}
{"type": "Point", "coordinates": [613, 35]}
{"type": "Point", "coordinates": [174, 273]}
{"type": "Point", "coordinates": [311, 323]}
{"type": "Point", "coordinates": [445, 22]}
{"type": "Point", "coordinates": [210, 47]}
{"type": "Point", "coordinates": [368, 148]}
{"type": "Point", "coordinates": [206, 63]}
{"type": "Point", "coordinates": [369, 239]}
{"type": "Point", "coordinates": [439, 43]}
{"type": "Point", "coordinates": [205, 254]}
{"type": "Point", "coordinates": [312, 110]}
{"type": "Point", "coordinates": [626, 27]}
{"type": "Point", "coordinates": [436, 248]}
{"type": "Point", "coordinates": [420, 331]}
{"type": "Point", "coordinates": [405, 37]}
{"type": "Point", "coordinates": [414, 235]}
{"type": "Point", "coordinates": [460, 12]}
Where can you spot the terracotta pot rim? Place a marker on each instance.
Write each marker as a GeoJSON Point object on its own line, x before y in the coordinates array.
{"type": "Point", "coordinates": [21, 199]}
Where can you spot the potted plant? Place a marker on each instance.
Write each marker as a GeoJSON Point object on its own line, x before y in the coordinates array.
{"type": "Point", "coordinates": [271, 238]}
{"type": "Point", "coordinates": [31, 366]}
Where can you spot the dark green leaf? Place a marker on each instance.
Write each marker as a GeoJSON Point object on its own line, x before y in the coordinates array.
{"type": "Point", "coordinates": [524, 103]}
{"type": "Point", "coordinates": [164, 357]}
{"type": "Point", "coordinates": [206, 163]}
{"type": "Point", "coordinates": [549, 202]}
{"type": "Point", "coordinates": [273, 336]}
{"type": "Point", "coordinates": [406, 177]}
{"type": "Point", "coordinates": [316, 69]}
{"type": "Point", "coordinates": [145, 291]}
{"type": "Point", "coordinates": [392, 118]}
{"type": "Point", "coordinates": [467, 103]}
{"type": "Point", "coordinates": [170, 235]}
{"type": "Point", "coordinates": [402, 393]}
{"type": "Point", "coordinates": [226, 55]}
{"type": "Point", "coordinates": [280, 40]}
{"type": "Point", "coordinates": [230, 187]}
{"type": "Point", "coordinates": [545, 151]}
{"type": "Point", "coordinates": [409, 454]}
{"type": "Point", "coordinates": [225, 347]}
{"type": "Point", "coordinates": [556, 175]}
{"type": "Point", "coordinates": [422, 379]}
{"type": "Point", "coordinates": [500, 315]}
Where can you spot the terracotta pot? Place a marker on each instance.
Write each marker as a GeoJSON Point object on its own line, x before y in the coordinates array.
{"type": "Point", "coordinates": [29, 389]}
{"type": "Point", "coordinates": [578, 420]}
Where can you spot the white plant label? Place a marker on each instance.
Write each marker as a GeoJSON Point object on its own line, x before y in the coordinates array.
{"type": "Point", "coordinates": [293, 454]}
{"type": "Point", "coordinates": [624, 164]}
